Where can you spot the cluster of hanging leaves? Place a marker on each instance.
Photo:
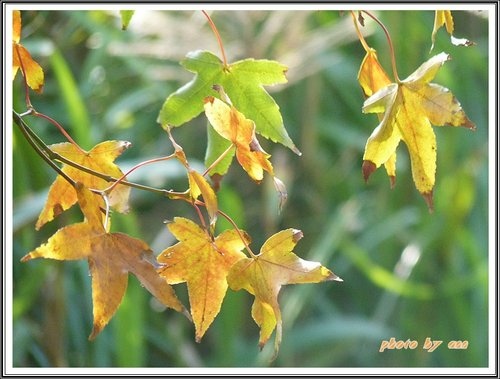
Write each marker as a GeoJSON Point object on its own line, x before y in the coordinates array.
{"type": "Point", "coordinates": [237, 108]}
{"type": "Point", "coordinates": [407, 109]}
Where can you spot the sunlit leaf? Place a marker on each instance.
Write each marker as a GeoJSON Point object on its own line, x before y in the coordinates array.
{"type": "Point", "coordinates": [62, 194]}
{"type": "Point", "coordinates": [264, 274]}
{"type": "Point", "coordinates": [111, 256]}
{"type": "Point", "coordinates": [233, 126]}
{"type": "Point", "coordinates": [203, 263]}
{"type": "Point", "coordinates": [410, 107]}
{"type": "Point", "coordinates": [373, 77]}
{"type": "Point", "coordinates": [244, 83]}
{"type": "Point", "coordinates": [22, 58]}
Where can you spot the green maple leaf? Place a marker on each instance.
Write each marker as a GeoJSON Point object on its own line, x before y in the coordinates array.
{"type": "Point", "coordinates": [243, 82]}
{"type": "Point", "coordinates": [126, 17]}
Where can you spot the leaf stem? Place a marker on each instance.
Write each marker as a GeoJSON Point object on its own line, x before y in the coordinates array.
{"type": "Point", "coordinates": [358, 32]}
{"type": "Point", "coordinates": [220, 158]}
{"type": "Point", "coordinates": [242, 237]}
{"type": "Point", "coordinates": [391, 47]}
{"type": "Point", "coordinates": [61, 129]}
{"type": "Point", "coordinates": [217, 35]}
{"type": "Point", "coordinates": [149, 161]}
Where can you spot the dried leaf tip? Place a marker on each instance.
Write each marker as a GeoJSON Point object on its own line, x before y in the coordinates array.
{"type": "Point", "coordinates": [428, 199]}
{"type": "Point", "coordinates": [297, 235]}
{"type": "Point", "coordinates": [368, 169]}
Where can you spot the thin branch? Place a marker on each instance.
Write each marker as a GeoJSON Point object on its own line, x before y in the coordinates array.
{"type": "Point", "coordinates": [28, 134]}
{"type": "Point", "coordinates": [51, 155]}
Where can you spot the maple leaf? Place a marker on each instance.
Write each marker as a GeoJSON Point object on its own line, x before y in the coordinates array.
{"type": "Point", "coordinates": [243, 81]}
{"type": "Point", "coordinates": [126, 16]}
{"type": "Point", "coordinates": [444, 17]}
{"type": "Point", "coordinates": [264, 274]}
{"type": "Point", "coordinates": [62, 195]}
{"type": "Point", "coordinates": [372, 77]}
{"type": "Point", "coordinates": [410, 107]}
{"type": "Point", "coordinates": [233, 126]}
{"type": "Point", "coordinates": [111, 256]}
{"type": "Point", "coordinates": [203, 263]}
{"type": "Point", "coordinates": [198, 185]}
{"type": "Point", "coordinates": [32, 70]}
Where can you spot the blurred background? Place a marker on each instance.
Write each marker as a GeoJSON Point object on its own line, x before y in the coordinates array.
{"type": "Point", "coordinates": [407, 274]}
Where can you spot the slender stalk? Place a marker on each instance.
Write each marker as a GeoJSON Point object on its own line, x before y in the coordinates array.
{"type": "Point", "coordinates": [61, 129]}
{"type": "Point", "coordinates": [111, 187]}
{"type": "Point", "coordinates": [391, 47]}
{"type": "Point", "coordinates": [247, 247]}
{"type": "Point", "coordinates": [200, 215]}
{"type": "Point", "coordinates": [358, 32]}
{"type": "Point", "coordinates": [216, 162]}
{"type": "Point", "coordinates": [217, 35]}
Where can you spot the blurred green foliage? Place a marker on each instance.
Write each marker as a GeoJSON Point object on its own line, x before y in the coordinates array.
{"type": "Point", "coordinates": [407, 274]}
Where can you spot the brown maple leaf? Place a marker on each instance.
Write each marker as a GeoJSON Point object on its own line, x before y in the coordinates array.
{"type": "Point", "coordinates": [111, 256]}
{"type": "Point", "coordinates": [202, 262]}
{"type": "Point", "coordinates": [264, 274]}
{"type": "Point", "coordinates": [100, 158]}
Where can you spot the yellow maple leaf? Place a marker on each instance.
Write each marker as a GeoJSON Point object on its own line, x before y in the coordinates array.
{"type": "Point", "coordinates": [410, 107]}
{"type": "Point", "coordinates": [444, 17]}
{"type": "Point", "coordinates": [100, 158]}
{"type": "Point", "coordinates": [111, 256]}
{"type": "Point", "coordinates": [202, 262]}
{"type": "Point", "coordinates": [198, 185]}
{"type": "Point", "coordinates": [233, 126]}
{"type": "Point", "coordinates": [32, 70]}
{"type": "Point", "coordinates": [372, 77]}
{"type": "Point", "coordinates": [264, 274]}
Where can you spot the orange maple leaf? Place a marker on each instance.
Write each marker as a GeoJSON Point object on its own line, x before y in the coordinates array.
{"type": "Point", "coordinates": [410, 107]}
{"type": "Point", "coordinates": [202, 262]}
{"type": "Point", "coordinates": [372, 77]}
{"type": "Point", "coordinates": [264, 274]}
{"type": "Point", "coordinates": [62, 195]}
{"type": "Point", "coordinates": [20, 55]}
{"type": "Point", "coordinates": [233, 126]}
{"type": "Point", "coordinates": [111, 256]}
